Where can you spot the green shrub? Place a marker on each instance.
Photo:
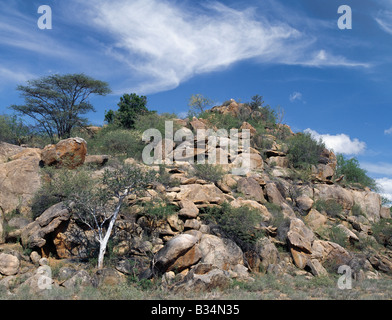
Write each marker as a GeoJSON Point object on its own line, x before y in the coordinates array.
{"type": "Point", "coordinates": [303, 150]}
{"type": "Point", "coordinates": [122, 143]}
{"type": "Point", "coordinates": [153, 120]}
{"type": "Point", "coordinates": [57, 185]}
{"type": "Point", "coordinates": [238, 224]}
{"type": "Point", "coordinates": [338, 236]}
{"type": "Point", "coordinates": [353, 174]}
{"type": "Point", "coordinates": [13, 130]}
{"type": "Point", "coordinates": [209, 172]}
{"type": "Point", "coordinates": [330, 207]}
{"type": "Point", "coordinates": [156, 211]}
{"type": "Point", "coordinates": [382, 232]}
{"type": "Point", "coordinates": [356, 210]}
{"type": "Point", "coordinates": [222, 121]}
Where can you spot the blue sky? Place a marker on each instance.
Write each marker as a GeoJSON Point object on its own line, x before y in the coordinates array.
{"type": "Point", "coordinates": [334, 83]}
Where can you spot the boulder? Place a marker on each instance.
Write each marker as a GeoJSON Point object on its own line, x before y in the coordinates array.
{"type": "Point", "coordinates": [174, 249]}
{"type": "Point", "coordinates": [330, 253]}
{"type": "Point", "coordinates": [273, 194]}
{"type": "Point", "coordinates": [69, 153]}
{"type": "Point", "coordinates": [8, 150]}
{"type": "Point", "coordinates": [385, 213]}
{"type": "Point", "coordinates": [203, 277]}
{"type": "Point", "coordinates": [34, 234]}
{"type": "Point", "coordinates": [20, 180]}
{"type": "Point", "coordinates": [315, 220]}
{"type": "Point", "coordinates": [247, 126]}
{"type": "Point", "coordinates": [334, 192]}
{"type": "Point", "coordinates": [222, 253]}
{"type": "Point", "coordinates": [9, 264]}
{"type": "Point", "coordinates": [98, 160]}
{"type": "Point", "coordinates": [239, 202]}
{"type": "Point", "coordinates": [381, 263]}
{"type": "Point", "coordinates": [188, 209]}
{"type": "Point", "coordinates": [370, 203]}
{"type": "Point", "coordinates": [208, 193]}
{"type": "Point", "coordinates": [240, 162]}
{"type": "Point", "coordinates": [300, 240]}
{"type": "Point", "coordinates": [282, 162]}
{"type": "Point", "coordinates": [304, 203]}
{"type": "Point", "coordinates": [251, 189]}
{"type": "Point", "coordinates": [80, 278]}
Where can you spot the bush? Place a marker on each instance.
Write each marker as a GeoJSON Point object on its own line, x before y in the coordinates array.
{"type": "Point", "coordinates": [356, 210]}
{"type": "Point", "coordinates": [221, 121]}
{"type": "Point", "coordinates": [238, 224]}
{"type": "Point", "coordinates": [155, 211]}
{"type": "Point", "coordinates": [330, 207]}
{"type": "Point", "coordinates": [121, 143]}
{"type": "Point", "coordinates": [303, 150]}
{"type": "Point", "coordinates": [153, 120]}
{"type": "Point", "coordinates": [209, 172]}
{"type": "Point", "coordinates": [57, 185]}
{"type": "Point", "coordinates": [382, 232]}
{"type": "Point", "coordinates": [13, 130]}
{"type": "Point", "coordinates": [353, 174]}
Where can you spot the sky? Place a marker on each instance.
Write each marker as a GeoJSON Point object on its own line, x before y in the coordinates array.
{"type": "Point", "coordinates": [331, 75]}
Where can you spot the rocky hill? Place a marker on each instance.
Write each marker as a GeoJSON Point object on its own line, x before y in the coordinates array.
{"type": "Point", "coordinates": [308, 222]}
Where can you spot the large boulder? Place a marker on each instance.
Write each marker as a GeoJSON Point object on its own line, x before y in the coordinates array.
{"type": "Point", "coordinates": [19, 180]}
{"type": "Point", "coordinates": [173, 250]}
{"type": "Point", "coordinates": [334, 192]}
{"type": "Point", "coordinates": [34, 234]}
{"type": "Point", "coordinates": [222, 253]}
{"type": "Point", "coordinates": [300, 240]}
{"type": "Point", "coordinates": [69, 153]}
{"type": "Point", "coordinates": [9, 264]}
{"type": "Point", "coordinates": [370, 203]}
{"type": "Point", "coordinates": [207, 193]}
{"type": "Point", "coordinates": [251, 189]}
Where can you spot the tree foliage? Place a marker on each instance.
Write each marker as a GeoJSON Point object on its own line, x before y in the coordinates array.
{"type": "Point", "coordinates": [353, 173]}
{"type": "Point", "coordinates": [57, 102]}
{"type": "Point", "coordinates": [129, 108]}
{"type": "Point", "coordinates": [303, 150]}
{"type": "Point", "coordinates": [198, 104]}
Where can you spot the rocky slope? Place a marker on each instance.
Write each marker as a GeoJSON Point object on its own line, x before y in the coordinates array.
{"type": "Point", "coordinates": [186, 250]}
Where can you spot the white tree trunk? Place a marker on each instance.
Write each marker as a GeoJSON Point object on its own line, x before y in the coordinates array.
{"type": "Point", "coordinates": [104, 242]}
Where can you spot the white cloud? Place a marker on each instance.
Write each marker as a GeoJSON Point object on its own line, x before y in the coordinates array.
{"type": "Point", "coordinates": [340, 143]}
{"type": "Point", "coordinates": [384, 20]}
{"type": "Point", "coordinates": [296, 96]}
{"type": "Point", "coordinates": [385, 185]}
{"type": "Point", "coordinates": [388, 131]}
{"type": "Point", "coordinates": [378, 168]}
{"type": "Point", "coordinates": [166, 42]}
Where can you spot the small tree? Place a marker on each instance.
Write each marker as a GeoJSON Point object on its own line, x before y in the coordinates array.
{"type": "Point", "coordinates": [57, 101]}
{"type": "Point", "coordinates": [353, 173]}
{"type": "Point", "coordinates": [98, 205]}
{"type": "Point", "coordinates": [198, 104]}
{"type": "Point", "coordinates": [130, 107]}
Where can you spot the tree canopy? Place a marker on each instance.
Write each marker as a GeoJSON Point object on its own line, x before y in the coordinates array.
{"type": "Point", "coordinates": [56, 102]}
{"type": "Point", "coordinates": [129, 108]}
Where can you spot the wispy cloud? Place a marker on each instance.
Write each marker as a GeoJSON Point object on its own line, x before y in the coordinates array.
{"type": "Point", "coordinates": [388, 131]}
{"type": "Point", "coordinates": [382, 168]}
{"type": "Point", "coordinates": [384, 20]}
{"type": "Point", "coordinates": [296, 96]}
{"type": "Point", "coordinates": [166, 43]}
{"type": "Point", "coordinates": [340, 143]}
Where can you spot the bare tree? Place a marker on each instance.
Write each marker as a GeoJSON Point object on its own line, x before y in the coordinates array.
{"type": "Point", "coordinates": [98, 205]}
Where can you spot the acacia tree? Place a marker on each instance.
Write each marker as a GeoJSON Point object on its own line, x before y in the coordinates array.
{"type": "Point", "coordinates": [57, 102]}
{"type": "Point", "coordinates": [198, 104]}
{"type": "Point", "coordinates": [98, 204]}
